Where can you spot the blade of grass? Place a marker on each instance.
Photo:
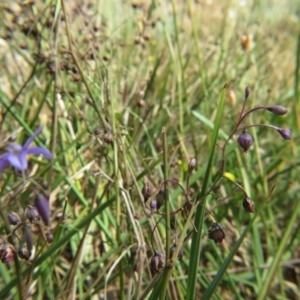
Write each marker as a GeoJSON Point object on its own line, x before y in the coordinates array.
{"type": "Point", "coordinates": [263, 294]}
{"type": "Point", "coordinates": [200, 212]}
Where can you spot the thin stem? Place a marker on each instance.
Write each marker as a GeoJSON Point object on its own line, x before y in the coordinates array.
{"type": "Point", "coordinates": [167, 215]}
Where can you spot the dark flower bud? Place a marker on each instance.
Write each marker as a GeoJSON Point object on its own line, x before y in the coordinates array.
{"type": "Point", "coordinates": [180, 253]}
{"type": "Point", "coordinates": [28, 238]}
{"type": "Point", "coordinates": [42, 205]}
{"type": "Point", "coordinates": [24, 253]}
{"type": "Point", "coordinates": [160, 198]}
{"type": "Point", "coordinates": [245, 141]}
{"type": "Point", "coordinates": [247, 92]}
{"type": "Point", "coordinates": [216, 233]}
{"type": "Point", "coordinates": [278, 110]}
{"type": "Point", "coordinates": [49, 237]}
{"type": "Point", "coordinates": [13, 218]}
{"type": "Point", "coordinates": [192, 164]}
{"type": "Point", "coordinates": [285, 133]}
{"type": "Point", "coordinates": [33, 214]}
{"type": "Point", "coordinates": [10, 254]}
{"type": "Point", "coordinates": [157, 263]}
{"type": "Point", "coordinates": [249, 205]}
{"type": "Point", "coordinates": [7, 252]}
{"type": "Point", "coordinates": [153, 205]}
{"type": "Point", "coordinates": [146, 191]}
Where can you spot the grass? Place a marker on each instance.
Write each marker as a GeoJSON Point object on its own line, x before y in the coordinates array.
{"type": "Point", "coordinates": [129, 92]}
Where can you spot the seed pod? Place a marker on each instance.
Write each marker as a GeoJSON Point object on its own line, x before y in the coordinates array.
{"type": "Point", "coordinates": [245, 141]}
{"type": "Point", "coordinates": [216, 233]}
{"type": "Point", "coordinates": [49, 237]}
{"type": "Point", "coordinates": [249, 205]}
{"type": "Point", "coordinates": [278, 110]}
{"type": "Point", "coordinates": [157, 263]}
{"type": "Point", "coordinates": [192, 164]}
{"type": "Point", "coordinates": [285, 133]}
{"type": "Point", "coordinates": [33, 214]}
{"type": "Point", "coordinates": [13, 218]}
{"type": "Point", "coordinates": [160, 198]}
{"type": "Point", "coordinates": [42, 205]}
{"type": "Point", "coordinates": [180, 253]}
{"type": "Point", "coordinates": [146, 191]}
{"type": "Point", "coordinates": [23, 253]}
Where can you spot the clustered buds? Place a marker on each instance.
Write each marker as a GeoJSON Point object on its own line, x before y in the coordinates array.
{"type": "Point", "coordinates": [249, 205]}
{"type": "Point", "coordinates": [157, 263]}
{"type": "Point", "coordinates": [216, 233]}
{"type": "Point", "coordinates": [245, 140]}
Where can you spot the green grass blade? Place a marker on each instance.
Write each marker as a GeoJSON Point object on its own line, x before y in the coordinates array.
{"type": "Point", "coordinates": [199, 218]}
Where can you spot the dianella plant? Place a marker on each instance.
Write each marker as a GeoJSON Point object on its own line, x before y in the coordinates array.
{"type": "Point", "coordinates": [149, 149]}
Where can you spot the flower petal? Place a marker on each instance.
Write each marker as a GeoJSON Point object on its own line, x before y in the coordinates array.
{"type": "Point", "coordinates": [14, 148]}
{"type": "Point", "coordinates": [18, 161]}
{"type": "Point", "coordinates": [3, 162]}
{"type": "Point", "coordinates": [32, 137]}
{"type": "Point", "coordinates": [40, 150]}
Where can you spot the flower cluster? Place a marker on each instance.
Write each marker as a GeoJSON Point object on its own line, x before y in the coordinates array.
{"type": "Point", "coordinates": [25, 220]}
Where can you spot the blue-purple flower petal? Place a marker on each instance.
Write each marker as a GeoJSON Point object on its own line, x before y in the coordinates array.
{"type": "Point", "coordinates": [14, 148]}
{"type": "Point", "coordinates": [18, 160]}
{"type": "Point", "coordinates": [3, 162]}
{"type": "Point", "coordinates": [39, 150]}
{"type": "Point", "coordinates": [32, 137]}
{"type": "Point", "coordinates": [42, 205]}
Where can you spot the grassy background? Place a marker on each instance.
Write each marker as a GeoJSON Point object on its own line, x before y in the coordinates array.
{"type": "Point", "coordinates": [105, 77]}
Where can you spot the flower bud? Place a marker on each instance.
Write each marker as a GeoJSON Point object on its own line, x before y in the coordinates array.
{"type": "Point", "coordinates": [7, 252]}
{"type": "Point", "coordinates": [13, 218]}
{"type": "Point", "coordinates": [49, 237]}
{"type": "Point", "coordinates": [24, 253]}
{"type": "Point", "coordinates": [146, 191]}
{"type": "Point", "coordinates": [278, 110]}
{"type": "Point", "coordinates": [28, 238]}
{"type": "Point", "coordinates": [249, 205]}
{"type": "Point", "coordinates": [157, 263]}
{"type": "Point", "coordinates": [245, 141]}
{"type": "Point", "coordinates": [153, 205]}
{"type": "Point", "coordinates": [247, 92]}
{"type": "Point", "coordinates": [42, 205]}
{"type": "Point", "coordinates": [285, 133]}
{"type": "Point", "coordinates": [180, 253]}
{"type": "Point", "coordinates": [192, 164]}
{"type": "Point", "coordinates": [32, 214]}
{"type": "Point", "coordinates": [216, 233]}
{"type": "Point", "coordinates": [160, 198]}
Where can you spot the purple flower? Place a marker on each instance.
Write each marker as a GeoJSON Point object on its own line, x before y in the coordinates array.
{"type": "Point", "coordinates": [16, 154]}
